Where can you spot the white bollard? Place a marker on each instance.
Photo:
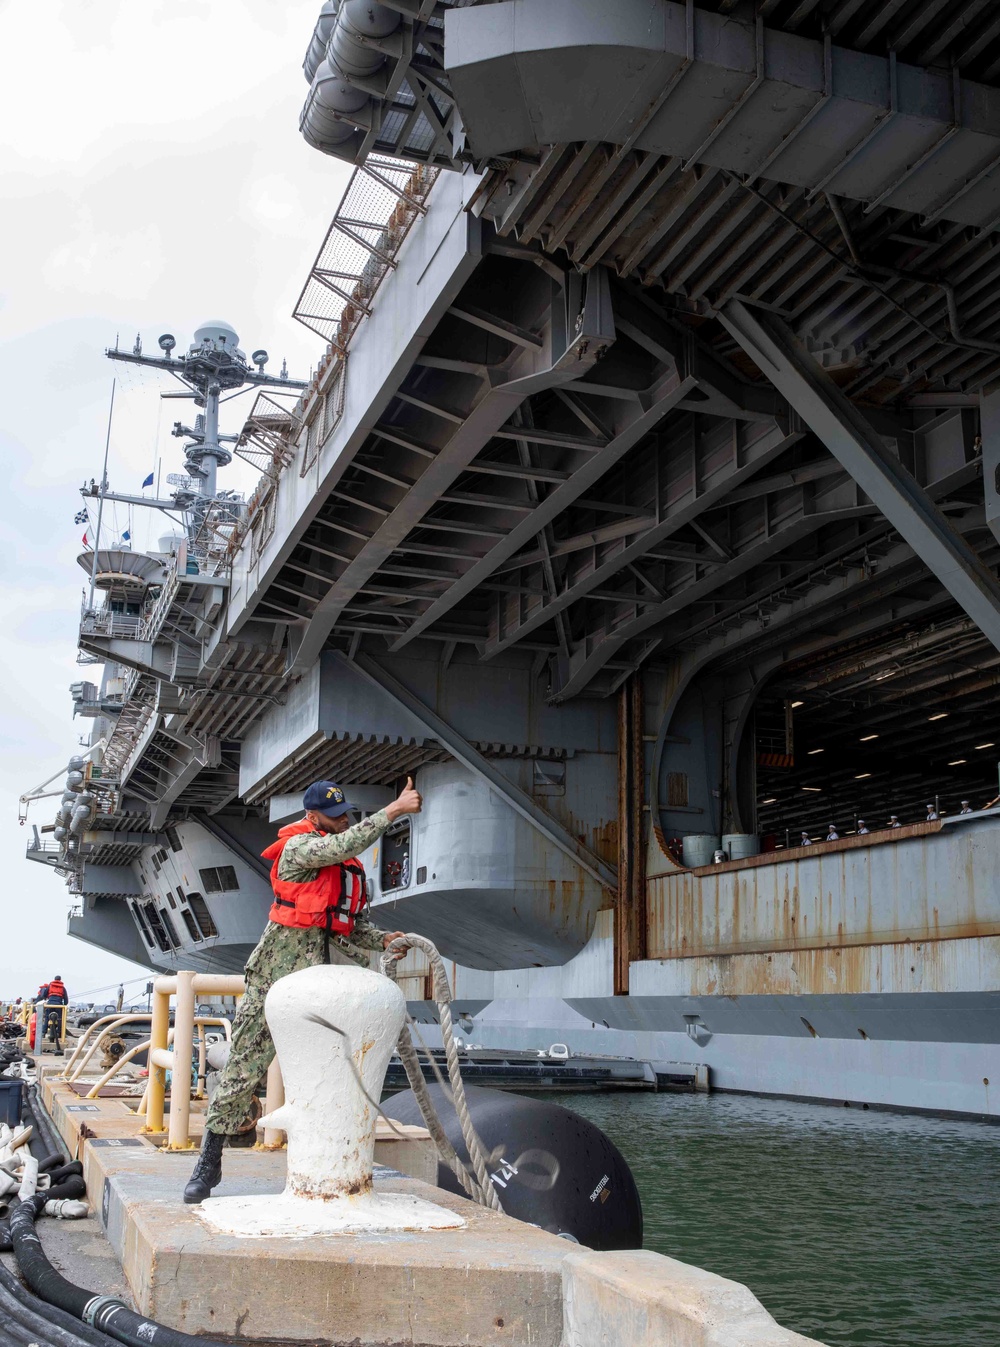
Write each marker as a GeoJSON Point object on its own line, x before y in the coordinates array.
{"type": "Point", "coordinates": [333, 1027]}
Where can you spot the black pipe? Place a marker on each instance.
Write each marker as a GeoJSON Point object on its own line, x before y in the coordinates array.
{"type": "Point", "coordinates": [106, 1313]}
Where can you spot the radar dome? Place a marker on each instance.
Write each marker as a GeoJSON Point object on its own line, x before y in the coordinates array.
{"type": "Point", "coordinates": [220, 335]}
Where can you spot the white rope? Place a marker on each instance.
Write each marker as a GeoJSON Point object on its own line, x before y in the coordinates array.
{"type": "Point", "coordinates": [477, 1184]}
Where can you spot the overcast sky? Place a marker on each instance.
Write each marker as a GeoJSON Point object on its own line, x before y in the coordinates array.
{"type": "Point", "coordinates": [152, 176]}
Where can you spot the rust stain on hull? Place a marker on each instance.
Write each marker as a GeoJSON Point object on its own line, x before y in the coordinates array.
{"type": "Point", "coordinates": [927, 886]}
{"type": "Point", "coordinates": [922, 966]}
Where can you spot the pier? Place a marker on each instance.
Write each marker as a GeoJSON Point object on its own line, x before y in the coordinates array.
{"type": "Point", "coordinates": [495, 1282]}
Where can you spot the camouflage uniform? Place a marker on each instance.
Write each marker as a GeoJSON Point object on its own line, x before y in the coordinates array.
{"type": "Point", "coordinates": [283, 950]}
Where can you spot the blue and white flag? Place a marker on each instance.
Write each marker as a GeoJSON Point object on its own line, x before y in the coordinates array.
{"type": "Point", "coordinates": [126, 536]}
{"type": "Point", "coordinates": [80, 517]}
{"type": "Point", "coordinates": [148, 481]}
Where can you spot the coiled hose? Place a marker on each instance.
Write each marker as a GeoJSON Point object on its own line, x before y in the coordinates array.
{"type": "Point", "coordinates": [477, 1184]}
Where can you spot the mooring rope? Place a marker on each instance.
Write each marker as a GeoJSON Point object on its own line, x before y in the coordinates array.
{"type": "Point", "coordinates": [477, 1184]}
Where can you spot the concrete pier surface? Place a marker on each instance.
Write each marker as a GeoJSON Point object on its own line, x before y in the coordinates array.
{"type": "Point", "coordinates": [494, 1282]}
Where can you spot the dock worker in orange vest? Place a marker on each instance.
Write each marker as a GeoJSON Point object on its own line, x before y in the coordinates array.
{"type": "Point", "coordinates": [317, 917]}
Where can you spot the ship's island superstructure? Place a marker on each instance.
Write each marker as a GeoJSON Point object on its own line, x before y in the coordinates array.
{"type": "Point", "coordinates": [644, 506]}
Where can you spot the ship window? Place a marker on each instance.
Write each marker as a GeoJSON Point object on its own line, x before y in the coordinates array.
{"type": "Point", "coordinates": [192, 927]}
{"type": "Point", "coordinates": [422, 874]}
{"type": "Point", "coordinates": [156, 863]}
{"type": "Point", "coordinates": [219, 879]}
{"type": "Point", "coordinates": [153, 917]}
{"type": "Point", "coordinates": [395, 859]}
{"type": "Point", "coordinates": [170, 899]}
{"type": "Point", "coordinates": [202, 915]}
{"type": "Point", "coordinates": [548, 778]}
{"type": "Point", "coordinates": [168, 926]}
{"type": "Point", "coordinates": [141, 923]}
{"type": "Point", "coordinates": [173, 839]}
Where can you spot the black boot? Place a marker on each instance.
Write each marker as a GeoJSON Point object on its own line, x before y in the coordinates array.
{"type": "Point", "coordinates": [208, 1170]}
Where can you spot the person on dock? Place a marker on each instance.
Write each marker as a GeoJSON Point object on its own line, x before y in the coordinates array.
{"type": "Point", "coordinates": [317, 917]}
{"type": "Point", "coordinates": [56, 997]}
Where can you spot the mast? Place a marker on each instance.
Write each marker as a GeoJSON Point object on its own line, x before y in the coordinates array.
{"type": "Point", "coordinates": [213, 365]}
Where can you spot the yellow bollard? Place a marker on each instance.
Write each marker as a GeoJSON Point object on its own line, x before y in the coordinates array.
{"type": "Point", "coordinates": [274, 1137]}
{"type": "Point", "coordinates": [180, 1079]}
{"type": "Point", "coordinates": [158, 1030]}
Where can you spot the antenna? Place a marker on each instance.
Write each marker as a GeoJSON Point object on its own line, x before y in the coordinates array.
{"type": "Point", "coordinates": [100, 499]}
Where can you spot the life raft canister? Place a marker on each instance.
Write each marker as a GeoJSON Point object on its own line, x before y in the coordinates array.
{"type": "Point", "coordinates": [331, 901]}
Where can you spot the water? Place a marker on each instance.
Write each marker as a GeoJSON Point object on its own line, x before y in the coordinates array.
{"type": "Point", "coordinates": [852, 1227]}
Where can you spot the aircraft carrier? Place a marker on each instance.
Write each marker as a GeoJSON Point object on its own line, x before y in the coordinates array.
{"type": "Point", "coordinates": [644, 505]}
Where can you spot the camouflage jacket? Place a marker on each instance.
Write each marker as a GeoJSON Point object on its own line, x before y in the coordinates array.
{"type": "Point", "coordinates": [306, 853]}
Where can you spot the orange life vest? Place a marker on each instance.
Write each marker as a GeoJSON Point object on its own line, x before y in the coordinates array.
{"type": "Point", "coordinates": [331, 901]}
{"type": "Point", "coordinates": [56, 988]}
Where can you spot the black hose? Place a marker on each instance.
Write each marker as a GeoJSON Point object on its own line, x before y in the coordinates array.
{"type": "Point", "coordinates": [54, 1161]}
{"type": "Point", "coordinates": [106, 1313]}
{"type": "Point", "coordinates": [71, 1186]}
{"type": "Point", "coordinates": [39, 1118]}
{"type": "Point", "coordinates": [65, 1170]}
{"type": "Point", "coordinates": [52, 1325]}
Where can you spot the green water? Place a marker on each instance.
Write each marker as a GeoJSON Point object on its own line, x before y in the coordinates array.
{"type": "Point", "coordinates": [852, 1227]}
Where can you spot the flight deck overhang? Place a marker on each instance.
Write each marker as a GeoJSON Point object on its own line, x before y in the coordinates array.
{"type": "Point", "coordinates": [714, 89]}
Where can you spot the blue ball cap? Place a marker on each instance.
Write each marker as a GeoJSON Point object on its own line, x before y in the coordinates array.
{"type": "Point", "coordinates": [327, 799]}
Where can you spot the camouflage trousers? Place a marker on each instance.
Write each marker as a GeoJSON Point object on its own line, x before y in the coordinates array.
{"type": "Point", "coordinates": [281, 950]}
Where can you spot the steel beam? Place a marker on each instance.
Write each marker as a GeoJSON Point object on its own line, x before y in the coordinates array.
{"type": "Point", "coordinates": [637, 424]}
{"type": "Point", "coordinates": [502, 394]}
{"type": "Point", "coordinates": [679, 514]}
{"type": "Point", "coordinates": [591, 655]}
{"type": "Point", "coordinates": [470, 757]}
{"type": "Point", "coordinates": [856, 445]}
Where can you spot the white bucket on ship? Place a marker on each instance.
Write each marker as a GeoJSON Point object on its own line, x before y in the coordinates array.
{"type": "Point", "coordinates": [699, 848]}
{"type": "Point", "coordinates": [737, 846]}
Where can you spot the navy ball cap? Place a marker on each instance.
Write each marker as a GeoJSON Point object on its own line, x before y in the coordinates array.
{"type": "Point", "coordinates": [326, 798]}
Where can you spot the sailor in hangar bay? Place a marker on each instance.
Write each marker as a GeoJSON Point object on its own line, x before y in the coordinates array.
{"type": "Point", "coordinates": [317, 917]}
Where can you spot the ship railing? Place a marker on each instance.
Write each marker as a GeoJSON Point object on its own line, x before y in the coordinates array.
{"type": "Point", "coordinates": [186, 987]}
{"type": "Point", "coordinates": [95, 1034]}
{"type": "Point", "coordinates": [103, 622]}
{"type": "Point", "coordinates": [157, 614]}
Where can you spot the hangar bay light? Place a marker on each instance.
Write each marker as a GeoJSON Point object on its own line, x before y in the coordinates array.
{"type": "Point", "coordinates": [645, 505]}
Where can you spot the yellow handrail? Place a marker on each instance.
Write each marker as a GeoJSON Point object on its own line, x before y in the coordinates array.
{"type": "Point", "coordinates": [186, 986]}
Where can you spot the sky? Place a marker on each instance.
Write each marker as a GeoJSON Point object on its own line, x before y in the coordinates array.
{"type": "Point", "coordinates": [152, 176]}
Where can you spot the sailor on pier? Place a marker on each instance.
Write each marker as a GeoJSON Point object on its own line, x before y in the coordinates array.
{"type": "Point", "coordinates": [966, 808]}
{"type": "Point", "coordinates": [833, 835]}
{"type": "Point", "coordinates": [863, 827]}
{"type": "Point", "coordinates": [932, 814]}
{"type": "Point", "coordinates": [317, 918]}
{"type": "Point", "coordinates": [894, 822]}
{"type": "Point", "coordinates": [806, 840]}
